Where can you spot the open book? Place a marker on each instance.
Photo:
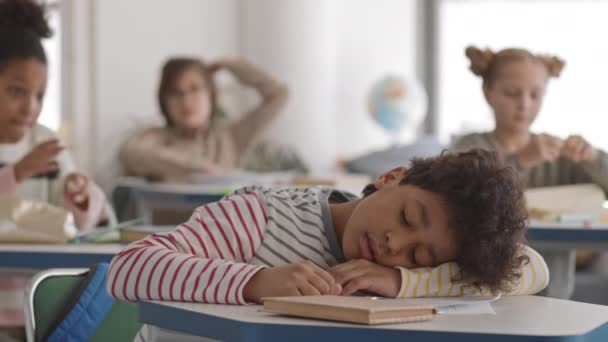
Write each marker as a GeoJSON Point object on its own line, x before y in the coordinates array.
{"type": "Point", "coordinates": [363, 310]}
{"type": "Point", "coordinates": [377, 310]}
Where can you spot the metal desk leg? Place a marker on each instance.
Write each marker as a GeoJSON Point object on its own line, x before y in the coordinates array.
{"type": "Point", "coordinates": [561, 272]}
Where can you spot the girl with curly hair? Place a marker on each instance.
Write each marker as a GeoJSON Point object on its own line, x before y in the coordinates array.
{"type": "Point", "coordinates": [33, 162]}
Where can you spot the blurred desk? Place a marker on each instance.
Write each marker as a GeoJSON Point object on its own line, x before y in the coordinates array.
{"type": "Point", "coordinates": [172, 204]}
{"type": "Point", "coordinates": [160, 203]}
{"type": "Point", "coordinates": [518, 318]}
{"type": "Point", "coordinates": [17, 257]}
{"type": "Point", "coordinates": [559, 241]}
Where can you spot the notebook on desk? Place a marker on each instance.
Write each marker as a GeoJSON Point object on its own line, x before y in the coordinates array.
{"type": "Point", "coordinates": [567, 203]}
{"type": "Point", "coordinates": [352, 309]}
{"type": "Point", "coordinates": [32, 221]}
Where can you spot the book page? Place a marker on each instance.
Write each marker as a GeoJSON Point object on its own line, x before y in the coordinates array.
{"type": "Point", "coordinates": [454, 305]}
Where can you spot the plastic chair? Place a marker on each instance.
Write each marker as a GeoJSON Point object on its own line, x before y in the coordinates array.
{"type": "Point", "coordinates": [47, 300]}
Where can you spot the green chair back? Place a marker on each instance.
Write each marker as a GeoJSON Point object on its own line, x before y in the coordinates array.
{"type": "Point", "coordinates": [52, 295]}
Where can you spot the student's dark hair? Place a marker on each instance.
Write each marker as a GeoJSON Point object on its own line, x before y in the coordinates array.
{"type": "Point", "coordinates": [22, 26]}
{"type": "Point", "coordinates": [172, 70]}
{"type": "Point", "coordinates": [487, 210]}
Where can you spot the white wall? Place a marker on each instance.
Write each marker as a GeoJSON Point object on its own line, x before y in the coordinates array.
{"type": "Point", "coordinates": [330, 53]}
{"type": "Point", "coordinates": [296, 41]}
{"type": "Point", "coordinates": [375, 38]}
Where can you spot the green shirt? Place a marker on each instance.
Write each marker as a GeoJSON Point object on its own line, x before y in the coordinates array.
{"type": "Point", "coordinates": [559, 172]}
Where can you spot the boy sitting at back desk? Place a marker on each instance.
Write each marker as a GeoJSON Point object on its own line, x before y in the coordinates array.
{"type": "Point", "coordinates": [447, 226]}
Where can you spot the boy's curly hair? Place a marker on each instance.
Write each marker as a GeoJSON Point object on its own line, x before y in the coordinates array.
{"type": "Point", "coordinates": [487, 210]}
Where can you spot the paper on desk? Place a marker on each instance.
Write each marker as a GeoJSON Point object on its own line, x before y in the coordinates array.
{"type": "Point", "coordinates": [468, 305]}
{"type": "Point", "coordinates": [30, 221]}
{"type": "Point", "coordinates": [484, 308]}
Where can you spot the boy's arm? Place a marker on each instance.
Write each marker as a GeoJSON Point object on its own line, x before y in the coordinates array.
{"type": "Point", "coordinates": [202, 260]}
{"type": "Point", "coordinates": [534, 275]}
{"type": "Point", "coordinates": [438, 281]}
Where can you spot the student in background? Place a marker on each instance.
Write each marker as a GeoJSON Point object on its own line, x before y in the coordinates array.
{"type": "Point", "coordinates": [514, 85]}
{"type": "Point", "coordinates": [35, 165]}
{"type": "Point", "coordinates": [34, 162]}
{"type": "Point", "coordinates": [447, 226]}
{"type": "Point", "coordinates": [194, 139]}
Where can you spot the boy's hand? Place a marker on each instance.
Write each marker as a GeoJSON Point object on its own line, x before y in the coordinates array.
{"type": "Point", "coordinates": [361, 274]}
{"type": "Point", "coordinates": [540, 148]}
{"type": "Point", "coordinates": [39, 160]}
{"type": "Point", "coordinates": [577, 149]}
{"type": "Point", "coordinates": [76, 188]}
{"type": "Point", "coordinates": [300, 279]}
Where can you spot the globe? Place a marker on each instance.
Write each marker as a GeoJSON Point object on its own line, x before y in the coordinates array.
{"type": "Point", "coordinates": [397, 104]}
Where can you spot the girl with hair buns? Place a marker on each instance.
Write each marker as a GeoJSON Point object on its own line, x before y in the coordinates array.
{"type": "Point", "coordinates": [514, 85]}
{"type": "Point", "coordinates": [33, 162]}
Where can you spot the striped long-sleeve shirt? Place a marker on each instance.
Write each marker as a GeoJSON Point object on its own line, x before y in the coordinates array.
{"type": "Point", "coordinates": [211, 257]}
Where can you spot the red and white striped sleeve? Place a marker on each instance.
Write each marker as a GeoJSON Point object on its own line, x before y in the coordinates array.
{"type": "Point", "coordinates": [202, 260]}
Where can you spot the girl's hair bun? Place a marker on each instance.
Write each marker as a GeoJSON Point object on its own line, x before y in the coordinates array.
{"type": "Point", "coordinates": [480, 59]}
{"type": "Point", "coordinates": [24, 15]}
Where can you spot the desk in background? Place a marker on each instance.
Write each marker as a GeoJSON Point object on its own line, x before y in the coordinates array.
{"type": "Point", "coordinates": [562, 240]}
{"type": "Point", "coordinates": [518, 318]}
{"type": "Point", "coordinates": [166, 203]}
{"type": "Point", "coordinates": [40, 256]}
{"type": "Point", "coordinates": [159, 203]}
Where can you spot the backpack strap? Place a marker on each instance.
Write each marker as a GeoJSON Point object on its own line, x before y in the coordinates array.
{"type": "Point", "coordinates": [87, 309]}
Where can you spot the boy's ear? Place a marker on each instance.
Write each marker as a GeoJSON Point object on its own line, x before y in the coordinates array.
{"type": "Point", "coordinates": [393, 176]}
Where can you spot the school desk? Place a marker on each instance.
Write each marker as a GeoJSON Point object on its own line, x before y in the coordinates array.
{"type": "Point", "coordinates": [41, 256]}
{"type": "Point", "coordinates": [558, 243]}
{"type": "Point", "coordinates": [518, 318]}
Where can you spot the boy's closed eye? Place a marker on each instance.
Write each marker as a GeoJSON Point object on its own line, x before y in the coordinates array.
{"type": "Point", "coordinates": [413, 257]}
{"type": "Point", "coordinates": [404, 220]}
{"type": "Point", "coordinates": [411, 253]}
{"type": "Point", "coordinates": [16, 91]}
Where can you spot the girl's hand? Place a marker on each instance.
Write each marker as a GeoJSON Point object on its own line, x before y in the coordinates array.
{"type": "Point", "coordinates": [76, 188]}
{"type": "Point", "coordinates": [577, 149]}
{"type": "Point", "coordinates": [39, 160]}
{"type": "Point", "coordinates": [540, 148]}
{"type": "Point", "coordinates": [361, 274]}
{"type": "Point", "coordinates": [299, 279]}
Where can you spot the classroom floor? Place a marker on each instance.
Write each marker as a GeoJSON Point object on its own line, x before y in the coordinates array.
{"type": "Point", "coordinates": [590, 287]}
